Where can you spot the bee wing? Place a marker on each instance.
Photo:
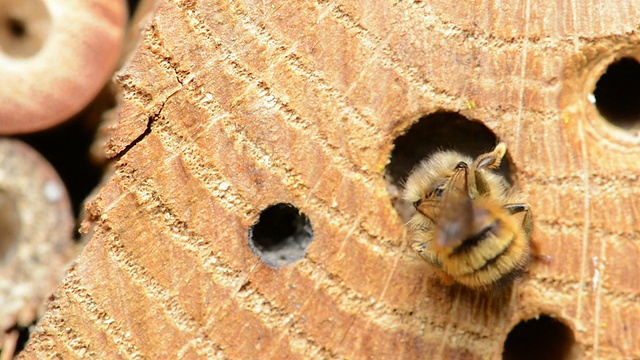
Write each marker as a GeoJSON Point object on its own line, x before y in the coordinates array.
{"type": "Point", "coordinates": [456, 218]}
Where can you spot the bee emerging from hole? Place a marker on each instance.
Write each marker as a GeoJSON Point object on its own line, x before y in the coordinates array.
{"type": "Point", "coordinates": [470, 224]}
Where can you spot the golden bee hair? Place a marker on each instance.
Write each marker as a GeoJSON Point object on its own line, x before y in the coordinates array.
{"type": "Point", "coordinates": [470, 224]}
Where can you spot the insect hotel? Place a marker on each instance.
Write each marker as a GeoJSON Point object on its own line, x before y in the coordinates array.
{"type": "Point", "coordinates": [257, 207]}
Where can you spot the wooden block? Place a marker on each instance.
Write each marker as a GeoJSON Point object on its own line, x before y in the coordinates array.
{"type": "Point", "coordinates": [231, 107]}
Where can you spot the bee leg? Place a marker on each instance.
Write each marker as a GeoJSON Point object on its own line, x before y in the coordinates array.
{"type": "Point", "coordinates": [491, 159]}
{"type": "Point", "coordinates": [445, 278]}
{"type": "Point", "coordinates": [516, 208]}
{"type": "Point", "coordinates": [537, 254]}
{"type": "Point", "coordinates": [527, 226]}
{"type": "Point", "coordinates": [527, 220]}
{"type": "Point", "coordinates": [426, 254]}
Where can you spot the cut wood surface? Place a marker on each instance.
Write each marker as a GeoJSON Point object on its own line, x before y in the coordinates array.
{"type": "Point", "coordinates": [230, 107]}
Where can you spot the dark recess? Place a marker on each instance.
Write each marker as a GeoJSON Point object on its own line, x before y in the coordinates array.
{"type": "Point", "coordinates": [542, 338]}
{"type": "Point", "coordinates": [281, 235]}
{"type": "Point", "coordinates": [617, 94]}
{"type": "Point", "coordinates": [438, 131]}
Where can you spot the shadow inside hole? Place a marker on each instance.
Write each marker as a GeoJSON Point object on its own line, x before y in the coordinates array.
{"type": "Point", "coordinates": [24, 27]}
{"type": "Point", "coordinates": [9, 225]}
{"type": "Point", "coordinates": [16, 27]}
{"type": "Point", "coordinates": [542, 338]}
{"type": "Point", "coordinates": [617, 94]}
{"type": "Point", "coordinates": [132, 5]}
{"type": "Point", "coordinates": [24, 332]}
{"type": "Point", "coordinates": [438, 131]}
{"type": "Point", "coordinates": [281, 236]}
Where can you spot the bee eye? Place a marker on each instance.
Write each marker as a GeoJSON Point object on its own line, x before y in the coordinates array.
{"type": "Point", "coordinates": [461, 165]}
{"type": "Point", "coordinates": [438, 188]}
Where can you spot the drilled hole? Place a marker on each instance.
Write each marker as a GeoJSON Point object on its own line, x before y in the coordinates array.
{"type": "Point", "coordinates": [132, 6]}
{"type": "Point", "coordinates": [617, 94]}
{"type": "Point", "coordinates": [281, 235]}
{"type": "Point", "coordinates": [542, 338]}
{"type": "Point", "coordinates": [9, 225]}
{"type": "Point", "coordinates": [24, 27]}
{"type": "Point", "coordinates": [439, 131]}
{"type": "Point", "coordinates": [16, 28]}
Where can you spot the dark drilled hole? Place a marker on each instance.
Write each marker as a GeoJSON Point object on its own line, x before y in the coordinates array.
{"type": "Point", "coordinates": [541, 338]}
{"type": "Point", "coordinates": [24, 27]}
{"type": "Point", "coordinates": [9, 225]}
{"type": "Point", "coordinates": [16, 27]}
{"type": "Point", "coordinates": [438, 131]}
{"type": "Point", "coordinates": [617, 94]}
{"type": "Point", "coordinates": [281, 235]}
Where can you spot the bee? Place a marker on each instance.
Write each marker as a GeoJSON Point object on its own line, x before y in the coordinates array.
{"type": "Point", "coordinates": [470, 224]}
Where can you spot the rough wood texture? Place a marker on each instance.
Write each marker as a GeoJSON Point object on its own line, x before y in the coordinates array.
{"type": "Point", "coordinates": [233, 106]}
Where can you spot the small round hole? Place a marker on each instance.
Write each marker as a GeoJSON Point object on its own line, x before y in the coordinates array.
{"type": "Point", "coordinates": [617, 94]}
{"type": "Point", "coordinates": [9, 225]}
{"type": "Point", "coordinates": [281, 235]}
{"type": "Point", "coordinates": [24, 27]}
{"type": "Point", "coordinates": [438, 131]}
{"type": "Point", "coordinates": [16, 28]}
{"type": "Point", "coordinates": [541, 338]}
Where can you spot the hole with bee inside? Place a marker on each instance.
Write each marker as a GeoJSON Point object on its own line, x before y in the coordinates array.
{"type": "Point", "coordinates": [432, 133]}
{"type": "Point", "coordinates": [281, 236]}
{"type": "Point", "coordinates": [617, 94]}
{"type": "Point", "coordinates": [540, 338]}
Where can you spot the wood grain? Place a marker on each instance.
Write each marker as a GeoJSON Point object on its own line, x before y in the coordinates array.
{"type": "Point", "coordinates": [233, 106]}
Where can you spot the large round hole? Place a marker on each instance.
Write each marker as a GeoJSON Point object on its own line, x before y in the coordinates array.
{"type": "Point", "coordinates": [438, 131]}
{"type": "Point", "coordinates": [617, 94]}
{"type": "Point", "coordinates": [541, 338]}
{"type": "Point", "coordinates": [24, 27]}
{"type": "Point", "coordinates": [281, 235]}
{"type": "Point", "coordinates": [9, 225]}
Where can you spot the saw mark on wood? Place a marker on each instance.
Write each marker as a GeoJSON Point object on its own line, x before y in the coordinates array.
{"type": "Point", "coordinates": [447, 327]}
{"type": "Point", "coordinates": [555, 224]}
{"type": "Point", "coordinates": [256, 152]}
{"type": "Point", "coordinates": [157, 294]}
{"type": "Point", "coordinates": [204, 348]}
{"type": "Point", "coordinates": [163, 212]}
{"type": "Point", "coordinates": [587, 220]}
{"type": "Point", "coordinates": [366, 124]}
{"type": "Point", "coordinates": [523, 76]}
{"type": "Point", "coordinates": [276, 319]}
{"type": "Point", "coordinates": [104, 321]}
{"type": "Point", "coordinates": [428, 21]}
{"type": "Point", "coordinates": [389, 58]}
{"type": "Point", "coordinates": [599, 269]}
{"type": "Point", "coordinates": [204, 169]}
{"type": "Point", "coordinates": [152, 196]}
{"type": "Point", "coordinates": [283, 109]}
{"type": "Point", "coordinates": [67, 338]}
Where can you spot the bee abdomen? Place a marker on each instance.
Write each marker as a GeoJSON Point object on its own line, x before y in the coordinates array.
{"type": "Point", "coordinates": [494, 250]}
{"type": "Point", "coordinates": [502, 270]}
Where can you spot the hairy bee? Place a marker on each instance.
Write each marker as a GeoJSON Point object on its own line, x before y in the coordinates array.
{"type": "Point", "coordinates": [470, 224]}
